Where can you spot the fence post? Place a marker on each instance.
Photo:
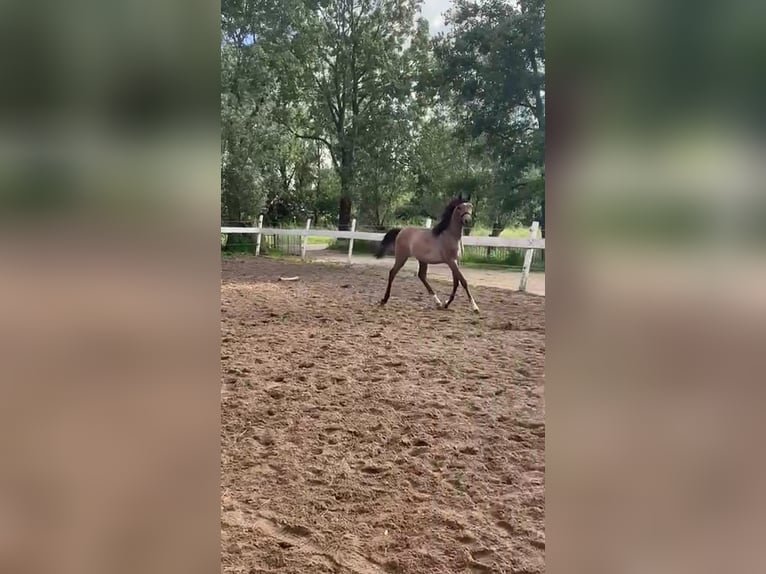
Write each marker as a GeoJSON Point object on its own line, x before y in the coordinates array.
{"type": "Point", "coordinates": [258, 236]}
{"type": "Point", "coordinates": [528, 257]}
{"type": "Point", "coordinates": [305, 239]}
{"type": "Point", "coordinates": [428, 223]}
{"type": "Point", "coordinates": [351, 240]}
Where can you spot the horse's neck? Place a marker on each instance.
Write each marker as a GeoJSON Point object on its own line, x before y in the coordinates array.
{"type": "Point", "coordinates": [455, 227]}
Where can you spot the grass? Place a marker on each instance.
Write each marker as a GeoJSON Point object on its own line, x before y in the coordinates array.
{"type": "Point", "coordinates": [504, 257]}
{"type": "Point", "coordinates": [360, 246]}
{"type": "Point", "coordinates": [509, 232]}
{"type": "Point", "coordinates": [320, 240]}
{"type": "Point", "coordinates": [500, 257]}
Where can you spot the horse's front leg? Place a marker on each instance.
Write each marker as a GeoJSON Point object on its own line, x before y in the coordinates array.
{"type": "Point", "coordinates": [454, 289]}
{"type": "Point", "coordinates": [458, 276]}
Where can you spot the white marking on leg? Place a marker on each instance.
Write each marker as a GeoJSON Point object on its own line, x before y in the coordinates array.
{"type": "Point", "coordinates": [474, 306]}
{"type": "Point", "coordinates": [438, 301]}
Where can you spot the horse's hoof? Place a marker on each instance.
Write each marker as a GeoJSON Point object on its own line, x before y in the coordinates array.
{"type": "Point", "coordinates": [476, 310]}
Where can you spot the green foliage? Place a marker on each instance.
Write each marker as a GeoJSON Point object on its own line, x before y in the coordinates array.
{"type": "Point", "coordinates": [385, 182]}
{"type": "Point", "coordinates": [493, 62]}
{"type": "Point", "coordinates": [334, 109]}
{"type": "Point", "coordinates": [345, 79]}
{"type": "Point", "coordinates": [442, 167]}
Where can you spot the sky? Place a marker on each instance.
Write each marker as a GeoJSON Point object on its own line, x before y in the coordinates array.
{"type": "Point", "coordinates": [432, 10]}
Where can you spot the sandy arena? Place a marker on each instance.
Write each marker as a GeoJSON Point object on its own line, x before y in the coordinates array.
{"type": "Point", "coordinates": [364, 440]}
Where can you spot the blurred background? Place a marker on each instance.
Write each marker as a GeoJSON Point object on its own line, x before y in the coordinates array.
{"type": "Point", "coordinates": [109, 165]}
{"type": "Point", "coordinates": [655, 285]}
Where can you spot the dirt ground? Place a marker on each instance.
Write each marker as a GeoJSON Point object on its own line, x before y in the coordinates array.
{"type": "Point", "coordinates": [364, 440]}
{"type": "Point", "coordinates": [489, 277]}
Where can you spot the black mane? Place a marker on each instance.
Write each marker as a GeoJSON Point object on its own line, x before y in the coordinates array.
{"type": "Point", "coordinates": [447, 216]}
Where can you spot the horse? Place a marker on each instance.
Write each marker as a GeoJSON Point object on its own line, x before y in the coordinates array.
{"type": "Point", "coordinates": [431, 246]}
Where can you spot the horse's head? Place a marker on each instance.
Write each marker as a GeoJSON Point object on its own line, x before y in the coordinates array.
{"type": "Point", "coordinates": [457, 213]}
{"type": "Point", "coordinates": [464, 211]}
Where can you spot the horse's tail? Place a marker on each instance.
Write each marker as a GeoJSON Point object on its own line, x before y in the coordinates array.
{"type": "Point", "coordinates": [387, 240]}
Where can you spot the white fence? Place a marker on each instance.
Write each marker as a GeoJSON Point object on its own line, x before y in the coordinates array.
{"type": "Point", "coordinates": [529, 243]}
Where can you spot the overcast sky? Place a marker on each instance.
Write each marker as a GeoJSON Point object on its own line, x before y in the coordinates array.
{"type": "Point", "coordinates": [432, 10]}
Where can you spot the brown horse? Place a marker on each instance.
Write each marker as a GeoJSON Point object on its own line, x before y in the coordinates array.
{"type": "Point", "coordinates": [437, 245]}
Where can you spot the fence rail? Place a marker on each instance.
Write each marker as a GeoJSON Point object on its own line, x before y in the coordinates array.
{"type": "Point", "coordinates": [363, 235]}
{"type": "Point", "coordinates": [528, 243]}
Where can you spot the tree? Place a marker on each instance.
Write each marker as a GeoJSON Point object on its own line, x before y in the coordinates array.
{"type": "Point", "coordinates": [335, 107]}
{"type": "Point", "coordinates": [384, 176]}
{"type": "Point", "coordinates": [246, 85]}
{"type": "Point", "coordinates": [336, 58]}
{"type": "Point", "coordinates": [442, 166]}
{"type": "Point", "coordinates": [493, 72]}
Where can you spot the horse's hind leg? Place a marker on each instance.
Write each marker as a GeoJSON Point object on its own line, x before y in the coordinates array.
{"type": "Point", "coordinates": [422, 270]}
{"type": "Point", "coordinates": [398, 264]}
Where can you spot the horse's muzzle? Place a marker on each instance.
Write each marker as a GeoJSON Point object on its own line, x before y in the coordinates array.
{"type": "Point", "coordinates": [466, 219]}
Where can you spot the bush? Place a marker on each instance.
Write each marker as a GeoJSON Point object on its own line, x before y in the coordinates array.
{"type": "Point", "coordinates": [238, 243]}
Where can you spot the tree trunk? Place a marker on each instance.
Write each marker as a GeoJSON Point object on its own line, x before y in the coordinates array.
{"type": "Point", "coordinates": [346, 183]}
{"type": "Point", "coordinates": [344, 213]}
{"type": "Point", "coordinates": [233, 211]}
